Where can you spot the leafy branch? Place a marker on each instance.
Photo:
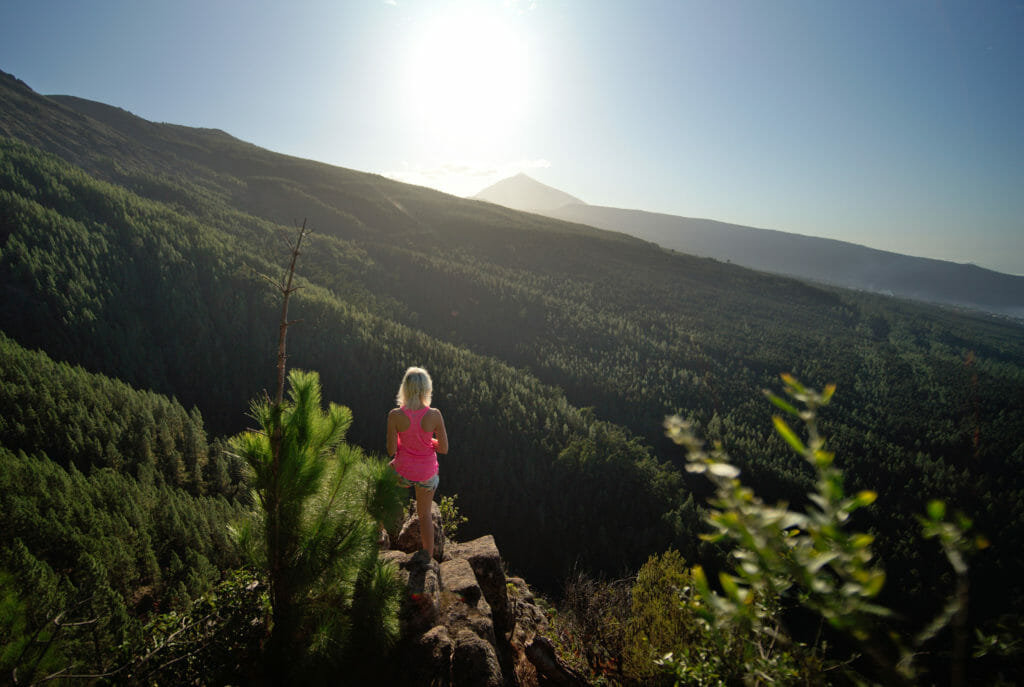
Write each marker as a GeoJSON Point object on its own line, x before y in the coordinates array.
{"type": "Point", "coordinates": [811, 556]}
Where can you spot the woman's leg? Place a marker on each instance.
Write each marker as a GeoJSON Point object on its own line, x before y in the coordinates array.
{"type": "Point", "coordinates": [425, 497]}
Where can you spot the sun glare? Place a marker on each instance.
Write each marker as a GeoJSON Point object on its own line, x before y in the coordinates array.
{"type": "Point", "coordinates": [467, 79]}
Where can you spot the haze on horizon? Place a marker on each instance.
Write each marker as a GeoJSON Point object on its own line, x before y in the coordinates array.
{"type": "Point", "coordinates": [894, 125]}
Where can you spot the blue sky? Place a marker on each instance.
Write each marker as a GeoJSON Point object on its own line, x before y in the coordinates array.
{"type": "Point", "coordinates": [894, 124]}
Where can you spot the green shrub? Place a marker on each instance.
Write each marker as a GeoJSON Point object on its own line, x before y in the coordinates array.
{"type": "Point", "coordinates": [590, 626]}
{"type": "Point", "coordinates": [314, 533]}
{"type": "Point", "coordinates": [658, 622]}
{"type": "Point", "coordinates": [812, 557]}
{"type": "Point", "coordinates": [451, 517]}
{"type": "Point", "coordinates": [217, 641]}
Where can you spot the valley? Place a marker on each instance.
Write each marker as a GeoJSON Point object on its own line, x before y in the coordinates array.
{"type": "Point", "coordinates": [132, 255]}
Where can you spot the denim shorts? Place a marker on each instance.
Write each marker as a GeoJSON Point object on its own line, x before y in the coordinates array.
{"type": "Point", "coordinates": [430, 484]}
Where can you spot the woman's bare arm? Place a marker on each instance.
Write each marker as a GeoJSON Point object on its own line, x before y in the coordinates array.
{"type": "Point", "coordinates": [392, 436]}
{"type": "Point", "coordinates": [440, 433]}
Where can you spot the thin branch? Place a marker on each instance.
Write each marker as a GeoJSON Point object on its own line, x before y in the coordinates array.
{"type": "Point", "coordinates": [167, 642]}
{"type": "Point", "coordinates": [79, 623]}
{"type": "Point", "coordinates": [276, 283]}
{"type": "Point", "coordinates": [54, 676]}
{"type": "Point", "coordinates": [286, 292]}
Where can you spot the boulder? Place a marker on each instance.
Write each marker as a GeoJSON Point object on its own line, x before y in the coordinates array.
{"type": "Point", "coordinates": [521, 588]}
{"type": "Point", "coordinates": [458, 578]}
{"type": "Point", "coordinates": [408, 539]}
{"type": "Point", "coordinates": [474, 662]}
{"type": "Point", "coordinates": [463, 624]}
{"type": "Point", "coordinates": [541, 653]}
{"type": "Point", "coordinates": [483, 556]}
{"type": "Point", "coordinates": [528, 621]}
{"type": "Point", "coordinates": [528, 617]}
{"type": "Point", "coordinates": [463, 603]}
{"type": "Point", "coordinates": [429, 659]}
{"type": "Point", "coordinates": [421, 604]}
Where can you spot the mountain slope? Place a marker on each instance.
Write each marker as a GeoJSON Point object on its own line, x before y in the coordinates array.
{"type": "Point", "coordinates": [823, 260]}
{"type": "Point", "coordinates": [165, 293]}
{"type": "Point", "coordinates": [557, 349]}
{"type": "Point", "coordinates": [113, 508]}
{"type": "Point", "coordinates": [523, 193]}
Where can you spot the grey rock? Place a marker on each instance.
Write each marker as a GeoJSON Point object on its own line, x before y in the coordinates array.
{"type": "Point", "coordinates": [457, 577]}
{"type": "Point", "coordinates": [408, 539]}
{"type": "Point", "coordinates": [463, 603]}
{"type": "Point", "coordinates": [461, 626]}
{"type": "Point", "coordinates": [421, 606]}
{"type": "Point", "coordinates": [483, 556]}
{"type": "Point", "coordinates": [541, 653]}
{"type": "Point", "coordinates": [474, 662]}
{"type": "Point", "coordinates": [430, 659]}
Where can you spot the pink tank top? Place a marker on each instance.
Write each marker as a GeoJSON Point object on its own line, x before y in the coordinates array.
{"type": "Point", "coordinates": [416, 459]}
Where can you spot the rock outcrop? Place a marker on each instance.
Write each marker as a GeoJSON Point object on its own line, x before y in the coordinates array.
{"type": "Point", "coordinates": [408, 538]}
{"type": "Point", "coordinates": [464, 623]}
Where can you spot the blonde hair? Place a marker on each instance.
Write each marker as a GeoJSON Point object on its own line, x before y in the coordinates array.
{"type": "Point", "coordinates": [415, 384]}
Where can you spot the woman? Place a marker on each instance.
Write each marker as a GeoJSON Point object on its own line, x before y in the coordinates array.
{"type": "Point", "coordinates": [416, 434]}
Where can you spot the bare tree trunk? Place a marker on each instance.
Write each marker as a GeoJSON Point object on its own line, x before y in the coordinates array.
{"type": "Point", "coordinates": [280, 594]}
{"type": "Point", "coordinates": [286, 289]}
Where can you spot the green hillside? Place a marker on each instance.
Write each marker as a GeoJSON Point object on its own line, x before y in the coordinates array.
{"type": "Point", "coordinates": [132, 249]}
{"type": "Point", "coordinates": [169, 299]}
{"type": "Point", "coordinates": [114, 507]}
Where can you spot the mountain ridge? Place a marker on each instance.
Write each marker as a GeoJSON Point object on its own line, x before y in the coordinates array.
{"type": "Point", "coordinates": [824, 260]}
{"type": "Point", "coordinates": [829, 261]}
{"type": "Point", "coordinates": [522, 192]}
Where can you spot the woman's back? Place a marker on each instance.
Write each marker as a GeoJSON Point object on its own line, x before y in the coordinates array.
{"type": "Point", "coordinates": [415, 457]}
{"type": "Point", "coordinates": [417, 438]}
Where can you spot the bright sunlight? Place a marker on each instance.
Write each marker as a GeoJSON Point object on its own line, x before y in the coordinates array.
{"type": "Point", "coordinates": [467, 79]}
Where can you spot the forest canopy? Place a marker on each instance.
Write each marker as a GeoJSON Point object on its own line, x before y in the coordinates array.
{"type": "Point", "coordinates": [130, 260]}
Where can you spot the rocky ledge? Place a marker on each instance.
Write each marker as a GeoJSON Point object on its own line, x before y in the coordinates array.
{"type": "Point", "coordinates": [464, 623]}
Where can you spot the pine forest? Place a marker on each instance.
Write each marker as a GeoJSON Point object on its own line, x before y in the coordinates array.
{"type": "Point", "coordinates": [137, 327]}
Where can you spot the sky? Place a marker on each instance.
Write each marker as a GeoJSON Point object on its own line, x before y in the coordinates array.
{"type": "Point", "coordinates": [896, 124]}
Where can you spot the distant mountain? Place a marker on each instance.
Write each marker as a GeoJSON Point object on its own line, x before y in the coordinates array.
{"type": "Point", "coordinates": [524, 193]}
{"type": "Point", "coordinates": [827, 261]}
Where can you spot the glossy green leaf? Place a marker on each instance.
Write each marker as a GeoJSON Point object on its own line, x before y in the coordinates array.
{"type": "Point", "coordinates": [866, 497]}
{"type": "Point", "coordinates": [786, 433]}
{"type": "Point", "coordinates": [782, 404]}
